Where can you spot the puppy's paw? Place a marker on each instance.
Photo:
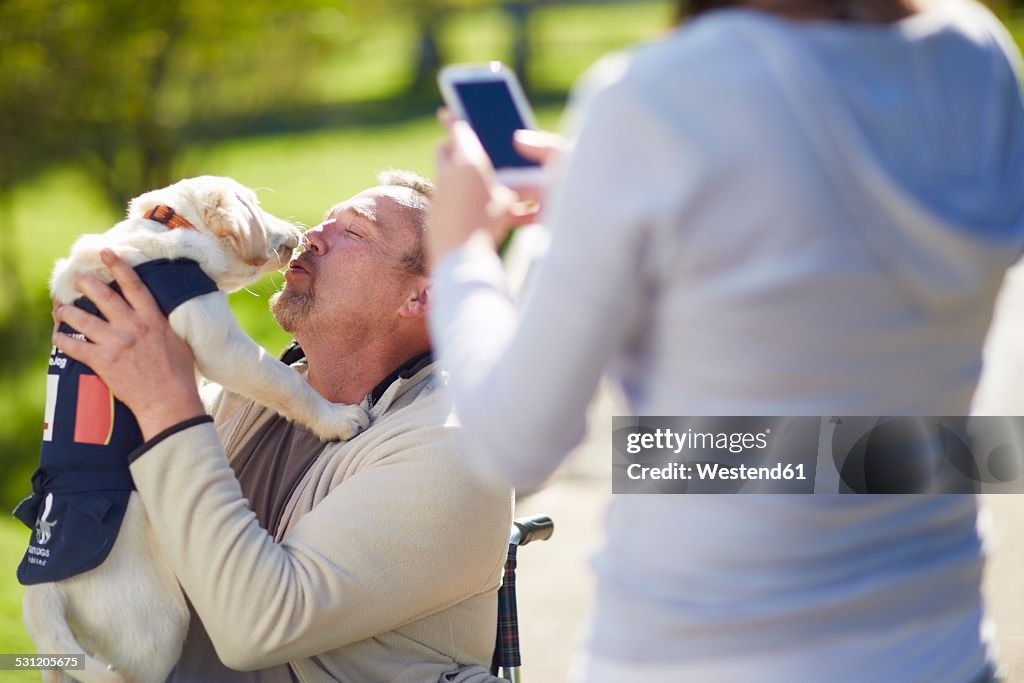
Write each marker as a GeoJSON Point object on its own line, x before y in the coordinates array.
{"type": "Point", "coordinates": [342, 422]}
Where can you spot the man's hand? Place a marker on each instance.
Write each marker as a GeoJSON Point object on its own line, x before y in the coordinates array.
{"type": "Point", "coordinates": [135, 351]}
{"type": "Point", "coordinates": [468, 201]}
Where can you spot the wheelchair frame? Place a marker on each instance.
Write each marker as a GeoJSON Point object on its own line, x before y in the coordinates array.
{"type": "Point", "coordinates": [507, 658]}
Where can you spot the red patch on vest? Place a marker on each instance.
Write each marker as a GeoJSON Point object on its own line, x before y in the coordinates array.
{"type": "Point", "coordinates": [94, 414]}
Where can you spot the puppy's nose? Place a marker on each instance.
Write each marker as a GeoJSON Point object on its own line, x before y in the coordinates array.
{"type": "Point", "coordinates": [289, 238]}
{"type": "Point", "coordinates": [291, 235]}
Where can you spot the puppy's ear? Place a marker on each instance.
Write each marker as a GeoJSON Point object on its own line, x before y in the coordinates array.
{"type": "Point", "coordinates": [227, 214]}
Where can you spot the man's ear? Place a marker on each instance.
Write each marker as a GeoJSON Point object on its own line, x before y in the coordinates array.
{"type": "Point", "coordinates": [417, 304]}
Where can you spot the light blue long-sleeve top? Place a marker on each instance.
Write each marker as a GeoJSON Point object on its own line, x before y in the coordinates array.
{"type": "Point", "coordinates": [765, 217]}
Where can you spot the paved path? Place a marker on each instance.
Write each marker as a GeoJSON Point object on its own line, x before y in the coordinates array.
{"type": "Point", "coordinates": [555, 582]}
{"type": "Point", "coordinates": [1002, 393]}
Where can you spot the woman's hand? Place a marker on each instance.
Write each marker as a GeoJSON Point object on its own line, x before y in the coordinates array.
{"type": "Point", "coordinates": [134, 351]}
{"type": "Point", "coordinates": [468, 200]}
{"type": "Point", "coordinates": [544, 147]}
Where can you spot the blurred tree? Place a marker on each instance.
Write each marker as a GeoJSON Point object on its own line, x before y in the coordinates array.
{"type": "Point", "coordinates": [519, 12]}
{"type": "Point", "coordinates": [117, 82]}
{"type": "Point", "coordinates": [429, 18]}
{"type": "Point", "coordinates": [159, 68]}
{"type": "Point", "coordinates": [36, 56]}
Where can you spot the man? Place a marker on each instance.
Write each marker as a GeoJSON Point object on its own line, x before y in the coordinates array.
{"type": "Point", "coordinates": [375, 559]}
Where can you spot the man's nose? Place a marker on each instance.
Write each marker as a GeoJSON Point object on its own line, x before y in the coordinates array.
{"type": "Point", "coordinates": [314, 240]}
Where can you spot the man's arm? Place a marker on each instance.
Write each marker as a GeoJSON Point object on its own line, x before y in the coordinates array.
{"type": "Point", "coordinates": [368, 558]}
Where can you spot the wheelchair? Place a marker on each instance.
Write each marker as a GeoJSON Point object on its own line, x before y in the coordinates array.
{"type": "Point", "coordinates": [507, 657]}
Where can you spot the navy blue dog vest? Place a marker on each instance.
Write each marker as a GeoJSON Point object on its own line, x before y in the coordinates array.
{"type": "Point", "coordinates": [80, 490]}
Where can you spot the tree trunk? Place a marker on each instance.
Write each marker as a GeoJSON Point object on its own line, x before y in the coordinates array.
{"type": "Point", "coordinates": [429, 53]}
{"type": "Point", "coordinates": [519, 13]}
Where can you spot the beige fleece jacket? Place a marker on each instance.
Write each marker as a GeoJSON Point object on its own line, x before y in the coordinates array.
{"type": "Point", "coordinates": [386, 563]}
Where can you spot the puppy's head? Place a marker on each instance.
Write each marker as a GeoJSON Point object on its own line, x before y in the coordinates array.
{"type": "Point", "coordinates": [252, 241]}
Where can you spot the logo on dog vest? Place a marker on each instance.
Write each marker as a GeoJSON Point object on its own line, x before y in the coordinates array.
{"type": "Point", "coordinates": [43, 524]}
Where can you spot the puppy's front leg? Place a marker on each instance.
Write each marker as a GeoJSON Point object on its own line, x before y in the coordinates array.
{"type": "Point", "coordinates": [226, 355]}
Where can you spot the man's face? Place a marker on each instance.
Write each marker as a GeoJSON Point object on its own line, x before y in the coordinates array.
{"type": "Point", "coordinates": [352, 274]}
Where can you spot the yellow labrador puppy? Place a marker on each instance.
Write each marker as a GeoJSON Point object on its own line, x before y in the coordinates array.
{"type": "Point", "coordinates": [95, 579]}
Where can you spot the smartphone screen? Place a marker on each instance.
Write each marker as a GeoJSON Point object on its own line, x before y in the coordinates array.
{"type": "Point", "coordinates": [493, 115]}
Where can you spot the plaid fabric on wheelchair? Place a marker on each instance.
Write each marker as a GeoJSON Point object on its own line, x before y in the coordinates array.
{"type": "Point", "coordinates": [506, 649]}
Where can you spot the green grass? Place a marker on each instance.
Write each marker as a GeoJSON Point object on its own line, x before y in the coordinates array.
{"type": "Point", "coordinates": [13, 638]}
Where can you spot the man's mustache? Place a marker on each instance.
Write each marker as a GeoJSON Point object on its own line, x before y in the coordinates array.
{"type": "Point", "coordinates": [305, 262]}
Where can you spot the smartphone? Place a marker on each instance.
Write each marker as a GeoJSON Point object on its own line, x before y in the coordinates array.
{"type": "Point", "coordinates": [490, 99]}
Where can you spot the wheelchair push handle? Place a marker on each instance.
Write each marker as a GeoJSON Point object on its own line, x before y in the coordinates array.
{"type": "Point", "coordinates": [535, 528]}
